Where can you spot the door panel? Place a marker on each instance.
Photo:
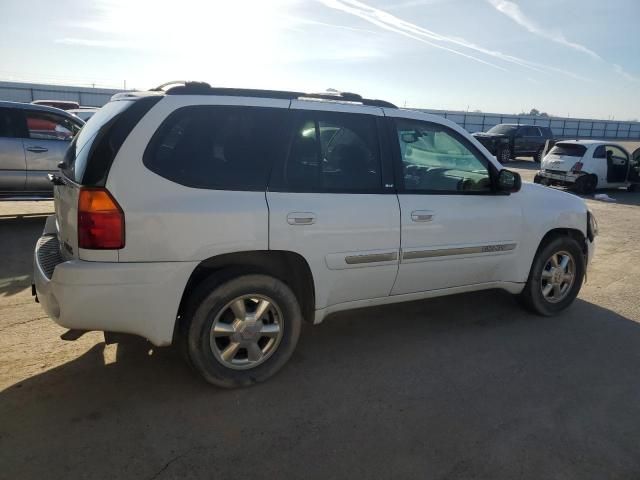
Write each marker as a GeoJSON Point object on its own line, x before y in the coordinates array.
{"type": "Point", "coordinates": [42, 158]}
{"type": "Point", "coordinates": [327, 202]}
{"type": "Point", "coordinates": [48, 138]}
{"type": "Point", "coordinates": [469, 240]}
{"type": "Point", "coordinates": [352, 247]}
{"type": "Point", "coordinates": [634, 168]}
{"type": "Point", "coordinates": [12, 165]}
{"type": "Point", "coordinates": [454, 230]}
{"type": "Point", "coordinates": [12, 162]}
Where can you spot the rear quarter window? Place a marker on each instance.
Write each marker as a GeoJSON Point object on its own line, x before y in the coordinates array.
{"type": "Point", "coordinates": [568, 150]}
{"type": "Point", "coordinates": [218, 147]}
{"type": "Point", "coordinates": [91, 153]}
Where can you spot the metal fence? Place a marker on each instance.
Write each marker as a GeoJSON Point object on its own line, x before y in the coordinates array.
{"type": "Point", "coordinates": [28, 92]}
{"type": "Point", "coordinates": [560, 126]}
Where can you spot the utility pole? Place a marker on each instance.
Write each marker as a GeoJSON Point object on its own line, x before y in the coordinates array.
{"type": "Point", "coordinates": [125, 84]}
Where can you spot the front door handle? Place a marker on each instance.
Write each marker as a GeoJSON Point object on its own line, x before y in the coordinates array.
{"type": "Point", "coordinates": [37, 149]}
{"type": "Point", "coordinates": [301, 218]}
{"type": "Point", "coordinates": [422, 215]}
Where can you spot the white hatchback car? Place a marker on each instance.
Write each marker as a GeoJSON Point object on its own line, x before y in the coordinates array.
{"type": "Point", "coordinates": [590, 164]}
{"type": "Point", "coordinates": [219, 219]}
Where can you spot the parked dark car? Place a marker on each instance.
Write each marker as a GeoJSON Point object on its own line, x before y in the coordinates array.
{"type": "Point", "coordinates": [507, 141]}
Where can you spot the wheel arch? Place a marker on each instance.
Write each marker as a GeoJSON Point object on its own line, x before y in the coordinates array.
{"type": "Point", "coordinates": [554, 233]}
{"type": "Point", "coordinates": [289, 267]}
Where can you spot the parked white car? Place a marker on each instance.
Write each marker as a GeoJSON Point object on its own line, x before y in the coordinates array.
{"type": "Point", "coordinates": [219, 219]}
{"type": "Point", "coordinates": [588, 165]}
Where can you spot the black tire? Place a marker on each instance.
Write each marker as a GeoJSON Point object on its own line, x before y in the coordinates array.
{"type": "Point", "coordinates": [504, 155]}
{"type": "Point", "coordinates": [209, 299]}
{"type": "Point", "coordinates": [537, 179]}
{"type": "Point", "coordinates": [633, 187]}
{"type": "Point", "coordinates": [532, 296]}
{"type": "Point", "coordinates": [538, 156]}
{"type": "Point", "coordinates": [586, 184]}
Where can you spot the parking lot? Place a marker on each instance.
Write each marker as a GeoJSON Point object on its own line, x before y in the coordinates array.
{"type": "Point", "coordinates": [469, 386]}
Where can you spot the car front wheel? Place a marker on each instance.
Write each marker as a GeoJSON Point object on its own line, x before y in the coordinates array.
{"type": "Point", "coordinates": [242, 331]}
{"type": "Point", "coordinates": [555, 278]}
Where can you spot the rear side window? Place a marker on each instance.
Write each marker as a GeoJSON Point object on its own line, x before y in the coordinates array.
{"type": "Point", "coordinates": [600, 152]}
{"type": "Point", "coordinates": [333, 152]}
{"type": "Point", "coordinates": [218, 147]}
{"type": "Point", "coordinates": [568, 150]}
{"type": "Point", "coordinates": [529, 131]}
{"type": "Point", "coordinates": [10, 123]}
{"type": "Point", "coordinates": [92, 151]}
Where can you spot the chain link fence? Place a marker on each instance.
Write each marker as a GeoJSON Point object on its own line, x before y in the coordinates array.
{"type": "Point", "coordinates": [561, 127]}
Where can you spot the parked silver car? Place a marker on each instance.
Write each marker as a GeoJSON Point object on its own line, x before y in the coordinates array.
{"type": "Point", "coordinates": [33, 140]}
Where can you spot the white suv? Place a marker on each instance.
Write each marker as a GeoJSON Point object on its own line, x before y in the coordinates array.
{"type": "Point", "coordinates": [220, 219]}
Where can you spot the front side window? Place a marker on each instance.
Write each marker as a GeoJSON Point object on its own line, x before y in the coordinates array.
{"type": "Point", "coordinates": [333, 152]}
{"type": "Point", "coordinates": [217, 147]}
{"type": "Point", "coordinates": [436, 159]}
{"type": "Point", "coordinates": [48, 126]}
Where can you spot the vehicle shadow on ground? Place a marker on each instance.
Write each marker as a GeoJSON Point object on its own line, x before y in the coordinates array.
{"type": "Point", "coordinates": [458, 387]}
{"type": "Point", "coordinates": [523, 164]}
{"type": "Point", "coordinates": [18, 237]}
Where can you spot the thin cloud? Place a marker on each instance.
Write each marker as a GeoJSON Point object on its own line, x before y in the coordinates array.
{"type": "Point", "coordinates": [512, 10]}
{"type": "Point", "coordinates": [621, 71]}
{"type": "Point", "coordinates": [85, 42]}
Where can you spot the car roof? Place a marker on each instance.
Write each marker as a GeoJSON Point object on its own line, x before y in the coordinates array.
{"type": "Point", "coordinates": [83, 109]}
{"type": "Point", "coordinates": [31, 106]}
{"type": "Point", "coordinates": [588, 142]}
{"type": "Point", "coordinates": [202, 88]}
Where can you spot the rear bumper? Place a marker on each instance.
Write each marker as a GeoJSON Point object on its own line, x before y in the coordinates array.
{"type": "Point", "coordinates": [565, 179]}
{"type": "Point", "coordinates": [136, 298]}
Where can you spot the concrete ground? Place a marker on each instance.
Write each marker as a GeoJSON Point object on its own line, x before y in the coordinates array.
{"type": "Point", "coordinates": [464, 387]}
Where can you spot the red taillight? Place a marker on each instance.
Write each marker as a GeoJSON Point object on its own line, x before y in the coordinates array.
{"type": "Point", "coordinates": [100, 220]}
{"type": "Point", "coordinates": [577, 167]}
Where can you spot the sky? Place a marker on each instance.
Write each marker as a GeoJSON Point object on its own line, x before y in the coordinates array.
{"type": "Point", "coordinates": [566, 57]}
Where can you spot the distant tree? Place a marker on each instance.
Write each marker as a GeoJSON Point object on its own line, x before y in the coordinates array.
{"type": "Point", "coordinates": [534, 112]}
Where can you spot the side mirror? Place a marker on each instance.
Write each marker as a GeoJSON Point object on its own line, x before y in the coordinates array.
{"type": "Point", "coordinates": [409, 137]}
{"type": "Point", "coordinates": [508, 181]}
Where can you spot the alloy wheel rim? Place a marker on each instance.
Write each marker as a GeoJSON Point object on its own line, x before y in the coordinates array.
{"type": "Point", "coordinates": [558, 276]}
{"type": "Point", "coordinates": [505, 155]}
{"type": "Point", "coordinates": [246, 332]}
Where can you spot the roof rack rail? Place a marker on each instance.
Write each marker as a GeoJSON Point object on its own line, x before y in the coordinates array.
{"type": "Point", "coordinates": [183, 83]}
{"type": "Point", "coordinates": [202, 88]}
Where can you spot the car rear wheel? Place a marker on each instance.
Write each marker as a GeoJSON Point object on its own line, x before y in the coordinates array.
{"type": "Point", "coordinates": [242, 331]}
{"type": "Point", "coordinates": [586, 184]}
{"type": "Point", "coordinates": [504, 155]}
{"type": "Point", "coordinates": [538, 156]}
{"type": "Point", "coordinates": [555, 278]}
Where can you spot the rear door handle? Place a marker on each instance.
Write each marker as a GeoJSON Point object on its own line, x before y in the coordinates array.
{"type": "Point", "coordinates": [37, 149]}
{"type": "Point", "coordinates": [301, 218]}
{"type": "Point", "coordinates": [422, 215]}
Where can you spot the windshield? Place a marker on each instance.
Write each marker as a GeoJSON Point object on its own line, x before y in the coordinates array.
{"type": "Point", "coordinates": [568, 150]}
{"type": "Point", "coordinates": [75, 161]}
{"type": "Point", "coordinates": [502, 129]}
